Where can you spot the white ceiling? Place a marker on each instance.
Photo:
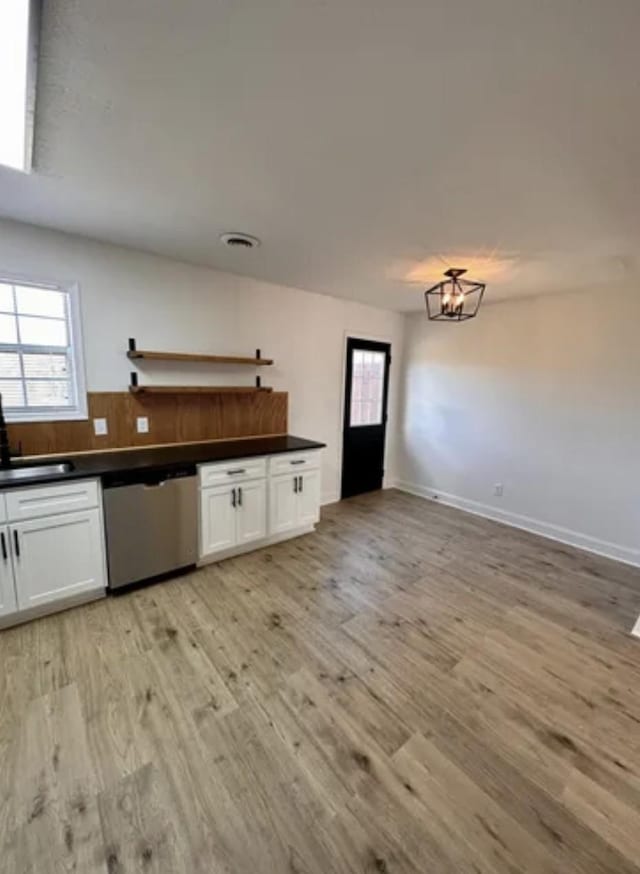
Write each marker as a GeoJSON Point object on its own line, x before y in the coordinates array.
{"type": "Point", "coordinates": [366, 142]}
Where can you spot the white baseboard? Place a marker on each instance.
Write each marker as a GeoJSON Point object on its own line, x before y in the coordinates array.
{"type": "Point", "coordinates": [254, 545]}
{"type": "Point", "coordinates": [51, 607]}
{"type": "Point", "coordinates": [526, 523]}
{"type": "Point", "coordinates": [329, 499]}
{"type": "Point", "coordinates": [334, 497]}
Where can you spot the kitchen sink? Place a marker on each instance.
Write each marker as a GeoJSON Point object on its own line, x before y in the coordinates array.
{"type": "Point", "coordinates": [34, 471]}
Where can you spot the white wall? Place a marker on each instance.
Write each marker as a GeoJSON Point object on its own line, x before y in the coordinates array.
{"type": "Point", "coordinates": [542, 395]}
{"type": "Point", "coordinates": [167, 304]}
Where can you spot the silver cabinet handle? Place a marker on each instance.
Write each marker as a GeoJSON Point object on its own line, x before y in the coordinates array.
{"type": "Point", "coordinates": [295, 485]}
{"type": "Point", "coordinates": [301, 484]}
{"type": "Point", "coordinates": [239, 497]}
{"type": "Point", "coordinates": [238, 470]}
{"type": "Point", "coordinates": [233, 498]}
{"type": "Point", "coordinates": [298, 461]}
{"type": "Point", "coordinates": [3, 539]}
{"type": "Point", "coordinates": [16, 542]}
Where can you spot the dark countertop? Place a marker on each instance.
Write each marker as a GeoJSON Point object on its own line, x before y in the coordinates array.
{"type": "Point", "coordinates": [112, 465]}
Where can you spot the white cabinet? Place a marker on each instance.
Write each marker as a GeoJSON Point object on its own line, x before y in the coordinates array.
{"type": "Point", "coordinates": [8, 603]}
{"type": "Point", "coordinates": [294, 501]}
{"type": "Point", "coordinates": [254, 502]}
{"type": "Point", "coordinates": [309, 497]}
{"type": "Point", "coordinates": [283, 503]}
{"type": "Point", "coordinates": [251, 506]}
{"type": "Point", "coordinates": [294, 462]}
{"type": "Point", "coordinates": [217, 520]}
{"type": "Point", "coordinates": [52, 547]}
{"type": "Point", "coordinates": [51, 500]}
{"type": "Point", "coordinates": [232, 515]}
{"type": "Point", "coordinates": [57, 557]}
{"type": "Point", "coordinates": [232, 472]}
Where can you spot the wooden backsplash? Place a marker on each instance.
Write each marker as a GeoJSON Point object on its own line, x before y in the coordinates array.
{"type": "Point", "coordinates": [172, 419]}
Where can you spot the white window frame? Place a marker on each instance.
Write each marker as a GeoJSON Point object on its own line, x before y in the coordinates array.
{"type": "Point", "coordinates": [79, 410]}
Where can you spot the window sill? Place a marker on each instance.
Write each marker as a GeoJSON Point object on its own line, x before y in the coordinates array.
{"type": "Point", "coordinates": [48, 417]}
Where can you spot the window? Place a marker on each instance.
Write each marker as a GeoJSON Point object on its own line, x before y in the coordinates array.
{"type": "Point", "coordinates": [367, 387]}
{"type": "Point", "coordinates": [18, 35]}
{"type": "Point", "coordinates": [41, 368]}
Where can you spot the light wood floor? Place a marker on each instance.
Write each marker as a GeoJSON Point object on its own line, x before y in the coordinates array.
{"type": "Point", "coordinates": [410, 689]}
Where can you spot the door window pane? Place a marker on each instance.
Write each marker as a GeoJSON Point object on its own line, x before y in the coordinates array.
{"type": "Point", "coordinates": [367, 387]}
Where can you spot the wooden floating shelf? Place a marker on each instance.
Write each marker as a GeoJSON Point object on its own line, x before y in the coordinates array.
{"type": "Point", "coordinates": [192, 356]}
{"type": "Point", "coordinates": [197, 389]}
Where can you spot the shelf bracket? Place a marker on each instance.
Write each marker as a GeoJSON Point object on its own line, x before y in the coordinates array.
{"type": "Point", "coordinates": [134, 379]}
{"type": "Point", "coordinates": [132, 344]}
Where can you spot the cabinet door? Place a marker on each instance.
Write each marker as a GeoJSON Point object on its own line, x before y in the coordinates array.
{"type": "Point", "coordinates": [252, 511]}
{"type": "Point", "coordinates": [56, 557]}
{"type": "Point", "coordinates": [217, 519]}
{"type": "Point", "coordinates": [8, 603]}
{"type": "Point", "coordinates": [309, 497]}
{"type": "Point", "coordinates": [283, 503]}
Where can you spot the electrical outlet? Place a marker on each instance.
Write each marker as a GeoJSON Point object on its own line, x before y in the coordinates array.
{"type": "Point", "coordinates": [100, 427]}
{"type": "Point", "coordinates": [498, 490]}
{"type": "Point", "coordinates": [142, 424]}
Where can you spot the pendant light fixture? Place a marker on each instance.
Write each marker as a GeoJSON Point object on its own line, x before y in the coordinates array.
{"type": "Point", "coordinates": [454, 299]}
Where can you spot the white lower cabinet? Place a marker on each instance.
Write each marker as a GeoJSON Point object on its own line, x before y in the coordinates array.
{"type": "Point", "coordinates": [309, 498]}
{"type": "Point", "coordinates": [217, 520]}
{"type": "Point", "coordinates": [53, 557]}
{"type": "Point", "coordinates": [251, 511]}
{"type": "Point", "coordinates": [8, 603]}
{"type": "Point", "coordinates": [294, 501]}
{"type": "Point", "coordinates": [232, 515]}
{"type": "Point", "coordinates": [255, 502]}
{"type": "Point", "coordinates": [283, 504]}
{"type": "Point", "coordinates": [57, 557]}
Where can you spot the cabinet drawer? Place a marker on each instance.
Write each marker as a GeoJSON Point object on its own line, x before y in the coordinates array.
{"type": "Point", "coordinates": [291, 462]}
{"type": "Point", "coordinates": [225, 472]}
{"type": "Point", "coordinates": [36, 501]}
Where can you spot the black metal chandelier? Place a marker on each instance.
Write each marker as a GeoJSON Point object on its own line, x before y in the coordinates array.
{"type": "Point", "coordinates": [454, 299]}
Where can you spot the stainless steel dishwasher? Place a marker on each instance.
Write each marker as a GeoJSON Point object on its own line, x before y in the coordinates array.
{"type": "Point", "coordinates": [151, 521]}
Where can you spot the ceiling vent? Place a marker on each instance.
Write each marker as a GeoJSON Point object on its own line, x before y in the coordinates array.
{"type": "Point", "coordinates": [240, 241]}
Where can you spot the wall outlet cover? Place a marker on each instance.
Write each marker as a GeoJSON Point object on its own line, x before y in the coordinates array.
{"type": "Point", "coordinates": [100, 427]}
{"type": "Point", "coordinates": [498, 490]}
{"type": "Point", "coordinates": [142, 424]}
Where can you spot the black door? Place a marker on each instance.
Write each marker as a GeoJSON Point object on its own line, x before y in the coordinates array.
{"type": "Point", "coordinates": [365, 416]}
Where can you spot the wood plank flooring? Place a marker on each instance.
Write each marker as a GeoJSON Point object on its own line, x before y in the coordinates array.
{"type": "Point", "coordinates": [409, 689]}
